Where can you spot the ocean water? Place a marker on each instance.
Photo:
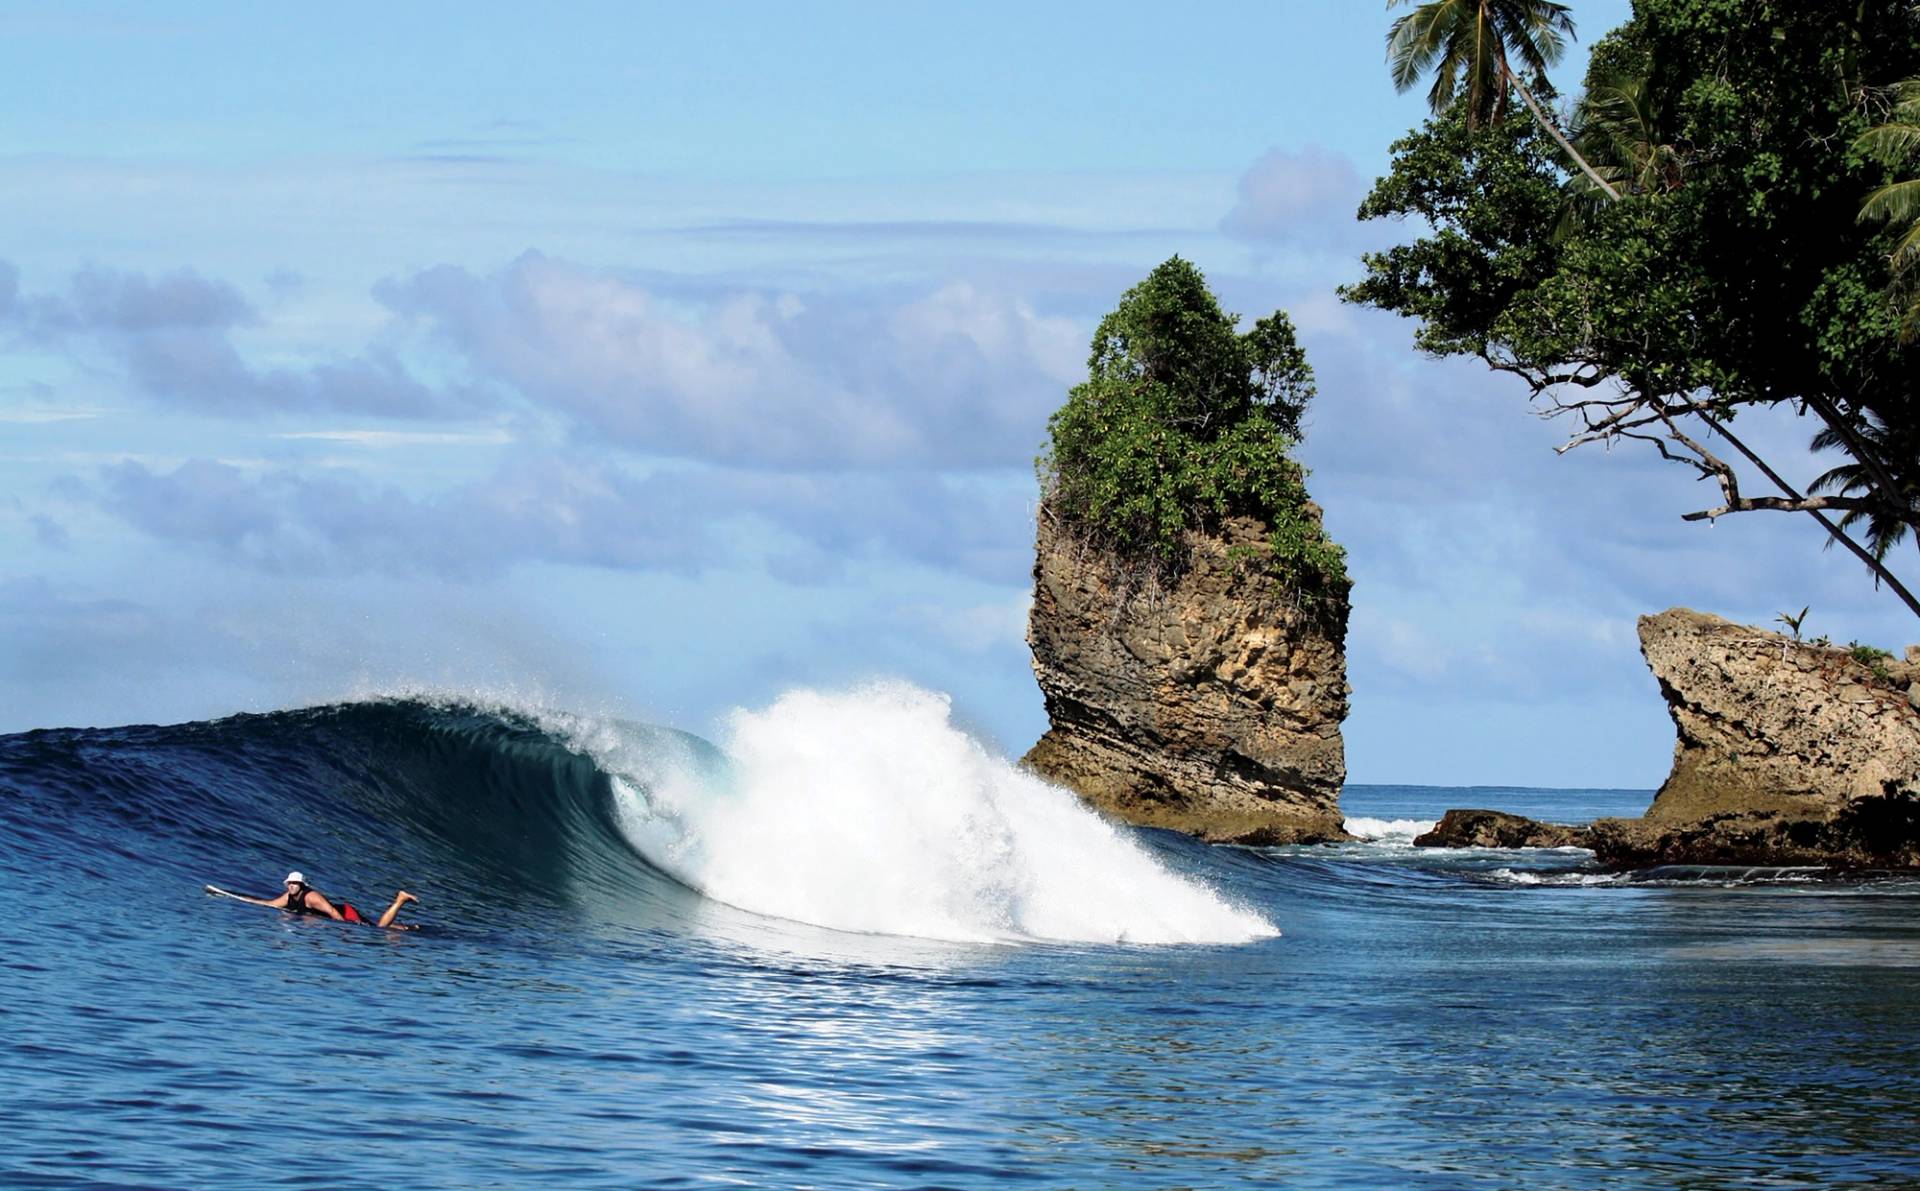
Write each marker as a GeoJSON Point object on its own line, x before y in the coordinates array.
{"type": "Point", "coordinates": [845, 946]}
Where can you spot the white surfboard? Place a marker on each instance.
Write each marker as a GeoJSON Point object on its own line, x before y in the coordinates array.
{"type": "Point", "coordinates": [219, 892]}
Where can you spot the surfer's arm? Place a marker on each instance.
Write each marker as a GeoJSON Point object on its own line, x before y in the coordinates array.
{"type": "Point", "coordinates": [317, 898]}
{"type": "Point", "coordinates": [278, 903]}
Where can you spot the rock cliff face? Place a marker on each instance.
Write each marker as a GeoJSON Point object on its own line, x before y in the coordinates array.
{"type": "Point", "coordinates": [1788, 753]}
{"type": "Point", "coordinates": [1212, 706]}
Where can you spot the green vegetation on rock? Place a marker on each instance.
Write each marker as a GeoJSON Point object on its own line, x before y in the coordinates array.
{"type": "Point", "coordinates": [1873, 658]}
{"type": "Point", "coordinates": [1183, 421]}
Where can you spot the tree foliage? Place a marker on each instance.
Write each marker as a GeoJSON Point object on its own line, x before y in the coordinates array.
{"type": "Point", "coordinates": [1185, 420]}
{"type": "Point", "coordinates": [1624, 130]}
{"type": "Point", "coordinates": [1897, 144]}
{"type": "Point", "coordinates": [1732, 272]}
{"type": "Point", "coordinates": [1471, 46]}
{"type": "Point", "coordinates": [1468, 46]}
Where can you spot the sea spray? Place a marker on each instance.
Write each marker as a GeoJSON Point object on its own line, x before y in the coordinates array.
{"type": "Point", "coordinates": [868, 810]}
{"type": "Point", "coordinates": [1388, 831]}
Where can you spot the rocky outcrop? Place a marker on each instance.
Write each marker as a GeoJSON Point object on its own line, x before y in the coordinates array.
{"type": "Point", "coordinates": [1788, 753]}
{"type": "Point", "coordinates": [1498, 829]}
{"type": "Point", "coordinates": [1211, 705]}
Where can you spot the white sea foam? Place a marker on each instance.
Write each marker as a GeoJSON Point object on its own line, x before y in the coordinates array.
{"type": "Point", "coordinates": [1388, 831]}
{"type": "Point", "coordinates": [868, 810]}
{"type": "Point", "coordinates": [1526, 877]}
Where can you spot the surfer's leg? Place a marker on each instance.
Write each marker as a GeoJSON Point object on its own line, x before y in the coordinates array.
{"type": "Point", "coordinates": [393, 911]}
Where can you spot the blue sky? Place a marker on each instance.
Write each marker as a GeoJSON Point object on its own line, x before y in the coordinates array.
{"type": "Point", "coordinates": [655, 360]}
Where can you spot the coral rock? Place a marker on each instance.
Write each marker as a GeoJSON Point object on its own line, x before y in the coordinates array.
{"type": "Point", "coordinates": [1498, 829]}
{"type": "Point", "coordinates": [1788, 753]}
{"type": "Point", "coordinates": [1210, 705]}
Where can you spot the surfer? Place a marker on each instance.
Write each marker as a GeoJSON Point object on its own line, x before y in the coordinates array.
{"type": "Point", "coordinates": [302, 898]}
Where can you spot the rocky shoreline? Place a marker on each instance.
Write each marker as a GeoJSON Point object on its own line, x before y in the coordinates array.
{"type": "Point", "coordinates": [1787, 753]}
{"type": "Point", "coordinates": [1473, 828]}
{"type": "Point", "coordinates": [1212, 705]}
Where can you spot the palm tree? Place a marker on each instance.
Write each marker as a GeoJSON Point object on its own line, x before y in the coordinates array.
{"type": "Point", "coordinates": [1622, 132]}
{"type": "Point", "coordinates": [1470, 41]}
{"type": "Point", "coordinates": [1894, 490]}
{"type": "Point", "coordinates": [1897, 143]}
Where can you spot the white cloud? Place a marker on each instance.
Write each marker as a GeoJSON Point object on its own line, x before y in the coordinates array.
{"type": "Point", "coordinates": [976, 628]}
{"type": "Point", "coordinates": [171, 336]}
{"type": "Point", "coordinates": [579, 508]}
{"type": "Point", "coordinates": [952, 377]}
{"type": "Point", "coordinates": [405, 438]}
{"type": "Point", "coordinates": [1291, 194]}
{"type": "Point", "coordinates": [39, 415]}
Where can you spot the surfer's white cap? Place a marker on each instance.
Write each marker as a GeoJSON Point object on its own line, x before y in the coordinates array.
{"type": "Point", "coordinates": [295, 879]}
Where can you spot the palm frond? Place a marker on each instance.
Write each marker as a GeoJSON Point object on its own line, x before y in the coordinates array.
{"type": "Point", "coordinates": [1893, 511]}
{"type": "Point", "coordinates": [1536, 31]}
{"type": "Point", "coordinates": [1838, 479]}
{"type": "Point", "coordinates": [1906, 250]}
{"type": "Point", "coordinates": [1622, 134]}
{"type": "Point", "coordinates": [1895, 143]}
{"type": "Point", "coordinates": [1486, 88]}
{"type": "Point", "coordinates": [1466, 44]}
{"type": "Point", "coordinates": [1417, 39]}
{"type": "Point", "coordinates": [1893, 202]}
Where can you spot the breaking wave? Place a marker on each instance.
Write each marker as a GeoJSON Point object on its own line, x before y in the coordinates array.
{"type": "Point", "coordinates": [859, 811]}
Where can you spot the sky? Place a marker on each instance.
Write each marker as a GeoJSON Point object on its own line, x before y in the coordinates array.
{"type": "Point", "coordinates": [653, 360]}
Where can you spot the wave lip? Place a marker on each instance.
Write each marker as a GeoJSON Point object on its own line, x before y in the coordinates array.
{"type": "Point", "coordinates": [869, 811]}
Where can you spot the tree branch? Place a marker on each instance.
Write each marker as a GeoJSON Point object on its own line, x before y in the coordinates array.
{"type": "Point", "coordinates": [1555, 132]}
{"type": "Point", "coordinates": [1780, 504]}
{"type": "Point", "coordinates": [1877, 566]}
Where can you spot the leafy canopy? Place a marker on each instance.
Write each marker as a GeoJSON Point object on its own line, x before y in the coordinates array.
{"type": "Point", "coordinates": [1897, 143]}
{"type": "Point", "coordinates": [1470, 46]}
{"type": "Point", "coordinates": [1184, 420]}
{"type": "Point", "coordinates": [1733, 272]}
